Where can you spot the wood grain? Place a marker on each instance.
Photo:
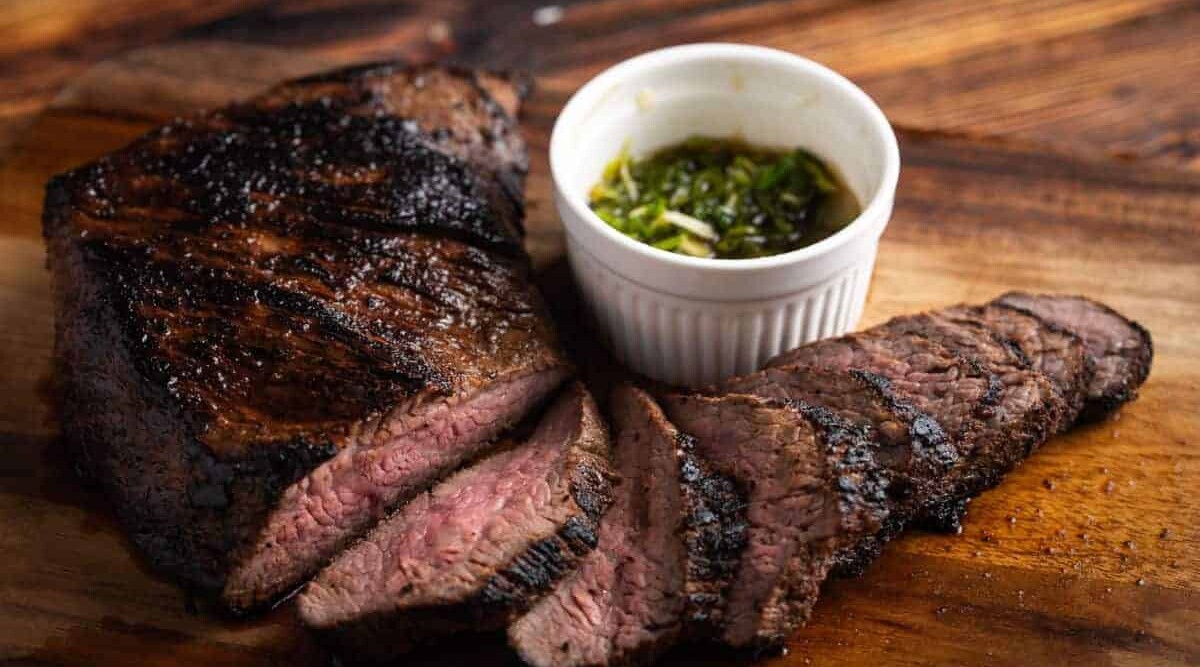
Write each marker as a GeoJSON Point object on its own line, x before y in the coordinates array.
{"type": "Point", "coordinates": [1108, 76]}
{"type": "Point", "coordinates": [1085, 555]}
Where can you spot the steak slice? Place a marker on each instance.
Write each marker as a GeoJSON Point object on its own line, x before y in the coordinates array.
{"type": "Point", "coordinates": [1120, 348]}
{"type": "Point", "coordinates": [625, 604]}
{"type": "Point", "coordinates": [937, 381]}
{"type": "Point", "coordinates": [1058, 354]}
{"type": "Point", "coordinates": [959, 393]}
{"type": "Point", "coordinates": [1028, 410]}
{"type": "Point", "coordinates": [812, 488]}
{"type": "Point", "coordinates": [479, 548]}
{"type": "Point", "coordinates": [278, 320]}
{"type": "Point", "coordinates": [908, 444]}
{"type": "Point", "coordinates": [715, 533]}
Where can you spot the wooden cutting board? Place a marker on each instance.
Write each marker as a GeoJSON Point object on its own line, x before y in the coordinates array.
{"type": "Point", "coordinates": [1088, 554]}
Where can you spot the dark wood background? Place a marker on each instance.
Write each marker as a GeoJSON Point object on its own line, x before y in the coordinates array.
{"type": "Point", "coordinates": [1047, 145]}
{"type": "Point", "coordinates": [1113, 76]}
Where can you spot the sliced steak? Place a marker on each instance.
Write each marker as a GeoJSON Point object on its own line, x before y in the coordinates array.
{"type": "Point", "coordinates": [277, 320]}
{"type": "Point", "coordinates": [1120, 348]}
{"type": "Point", "coordinates": [476, 550]}
{"type": "Point", "coordinates": [715, 534]}
{"type": "Point", "coordinates": [1058, 354]}
{"type": "Point", "coordinates": [939, 382]}
{"type": "Point", "coordinates": [909, 444]}
{"type": "Point", "coordinates": [625, 604]}
{"type": "Point", "coordinates": [959, 393]}
{"type": "Point", "coordinates": [1027, 411]}
{"type": "Point", "coordinates": [995, 410]}
{"type": "Point", "coordinates": [812, 488]}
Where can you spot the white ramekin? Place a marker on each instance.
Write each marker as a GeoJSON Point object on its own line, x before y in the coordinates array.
{"type": "Point", "coordinates": [692, 321]}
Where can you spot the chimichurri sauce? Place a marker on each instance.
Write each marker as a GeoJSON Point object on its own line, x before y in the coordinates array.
{"type": "Point", "coordinates": [723, 198]}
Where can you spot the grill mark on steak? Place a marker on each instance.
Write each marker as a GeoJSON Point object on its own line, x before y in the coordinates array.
{"type": "Point", "coordinates": [471, 113]}
{"type": "Point", "coordinates": [955, 391]}
{"type": "Point", "coordinates": [476, 550]}
{"type": "Point", "coordinates": [625, 603]}
{"type": "Point", "coordinates": [241, 165]}
{"type": "Point", "coordinates": [1055, 352]}
{"type": "Point", "coordinates": [1027, 411]}
{"type": "Point", "coordinates": [908, 441]}
{"type": "Point", "coordinates": [714, 535]}
{"type": "Point", "coordinates": [958, 392]}
{"type": "Point", "coordinates": [812, 488]}
{"type": "Point", "coordinates": [1121, 349]}
{"type": "Point", "coordinates": [909, 444]}
{"type": "Point", "coordinates": [283, 285]}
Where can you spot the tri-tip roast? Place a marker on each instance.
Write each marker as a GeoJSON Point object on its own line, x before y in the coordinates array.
{"type": "Point", "coordinates": [279, 320]}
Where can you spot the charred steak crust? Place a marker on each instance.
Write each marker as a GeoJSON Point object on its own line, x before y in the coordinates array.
{"type": "Point", "coordinates": [954, 390]}
{"type": "Point", "coordinates": [531, 574]}
{"type": "Point", "coordinates": [1024, 401]}
{"type": "Point", "coordinates": [714, 534]}
{"type": "Point", "coordinates": [625, 603]}
{"type": "Point", "coordinates": [864, 488]}
{"type": "Point", "coordinates": [812, 488]}
{"type": "Point", "coordinates": [1121, 349]}
{"type": "Point", "coordinates": [909, 444]}
{"type": "Point", "coordinates": [366, 622]}
{"type": "Point", "coordinates": [241, 296]}
{"type": "Point", "coordinates": [470, 113]}
{"type": "Point", "coordinates": [1053, 351]}
{"type": "Point", "coordinates": [958, 392]}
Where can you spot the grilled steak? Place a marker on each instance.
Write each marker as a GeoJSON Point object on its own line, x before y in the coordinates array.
{"type": "Point", "coordinates": [1027, 411]}
{"type": "Point", "coordinates": [625, 603]}
{"type": "Point", "coordinates": [957, 392]}
{"type": "Point", "coordinates": [959, 375]}
{"type": "Point", "coordinates": [277, 320]}
{"type": "Point", "coordinates": [1121, 349]}
{"type": "Point", "coordinates": [939, 382]}
{"type": "Point", "coordinates": [467, 113]}
{"type": "Point", "coordinates": [1052, 351]}
{"type": "Point", "coordinates": [477, 549]}
{"type": "Point", "coordinates": [812, 488]}
{"type": "Point", "coordinates": [715, 534]}
{"type": "Point", "coordinates": [909, 444]}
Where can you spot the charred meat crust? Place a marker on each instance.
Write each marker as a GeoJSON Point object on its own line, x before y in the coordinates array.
{"type": "Point", "coordinates": [188, 242]}
{"type": "Point", "coordinates": [531, 574]}
{"type": "Point", "coordinates": [912, 488]}
{"type": "Point", "coordinates": [184, 507]}
{"type": "Point", "coordinates": [715, 534]}
{"type": "Point", "coordinates": [1109, 387]}
{"type": "Point", "coordinates": [863, 487]}
{"type": "Point", "coordinates": [909, 444]}
{"type": "Point", "coordinates": [240, 294]}
{"type": "Point", "coordinates": [957, 392]}
{"type": "Point", "coordinates": [930, 450]}
{"type": "Point", "coordinates": [909, 441]}
{"type": "Point", "coordinates": [1055, 352]}
{"type": "Point", "coordinates": [625, 603]}
{"type": "Point", "coordinates": [811, 487]}
{"type": "Point", "coordinates": [1026, 409]}
{"type": "Point", "coordinates": [954, 390]}
{"type": "Point", "coordinates": [472, 113]}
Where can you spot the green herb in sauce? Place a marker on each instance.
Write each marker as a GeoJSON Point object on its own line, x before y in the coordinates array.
{"type": "Point", "coordinates": [723, 198]}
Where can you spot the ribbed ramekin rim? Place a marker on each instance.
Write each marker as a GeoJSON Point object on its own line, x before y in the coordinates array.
{"type": "Point", "coordinates": [877, 208]}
